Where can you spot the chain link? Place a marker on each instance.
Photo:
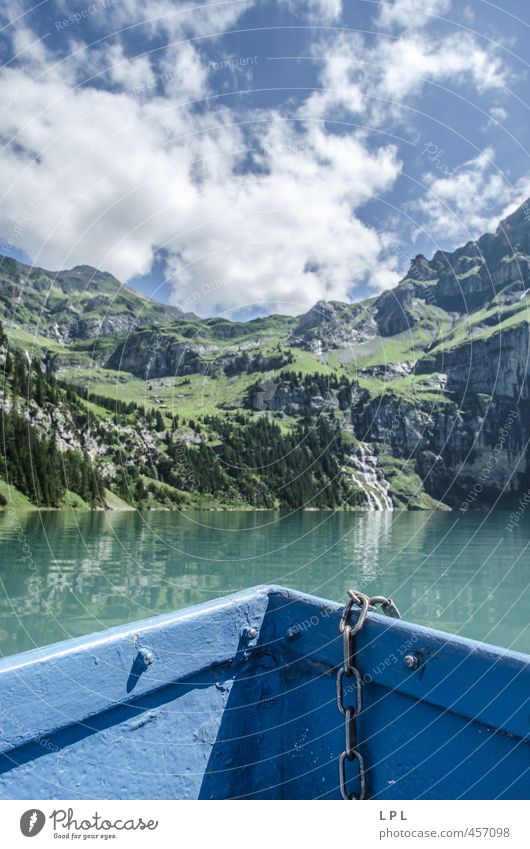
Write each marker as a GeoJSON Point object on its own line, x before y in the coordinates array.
{"type": "Point", "coordinates": [349, 670]}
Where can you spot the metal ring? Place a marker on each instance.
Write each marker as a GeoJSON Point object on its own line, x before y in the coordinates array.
{"type": "Point", "coordinates": [346, 614]}
{"type": "Point", "coordinates": [365, 603]}
{"type": "Point", "coordinates": [355, 598]}
{"type": "Point", "coordinates": [378, 599]}
{"type": "Point", "coordinates": [358, 692]}
{"type": "Point", "coordinates": [387, 606]}
{"type": "Point", "coordinates": [347, 650]}
{"type": "Point", "coordinates": [351, 756]}
{"type": "Point", "coordinates": [390, 609]}
{"type": "Point", "coordinates": [350, 731]}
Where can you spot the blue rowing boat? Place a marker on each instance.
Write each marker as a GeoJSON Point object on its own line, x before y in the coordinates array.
{"type": "Point", "coordinates": [266, 694]}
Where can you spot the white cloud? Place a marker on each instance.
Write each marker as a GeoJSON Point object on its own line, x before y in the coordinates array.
{"type": "Point", "coordinates": [340, 77]}
{"type": "Point", "coordinates": [183, 73]}
{"type": "Point", "coordinates": [469, 201]}
{"type": "Point", "coordinates": [29, 49]}
{"type": "Point", "coordinates": [290, 236]}
{"type": "Point", "coordinates": [411, 14]}
{"type": "Point", "coordinates": [185, 19]}
{"type": "Point", "coordinates": [106, 179]}
{"type": "Point", "coordinates": [317, 11]}
{"type": "Point", "coordinates": [374, 80]}
{"type": "Point", "coordinates": [408, 65]}
{"type": "Point", "coordinates": [129, 73]}
{"type": "Point", "coordinates": [498, 113]}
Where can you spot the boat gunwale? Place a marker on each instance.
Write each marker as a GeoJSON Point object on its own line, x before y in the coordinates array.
{"type": "Point", "coordinates": [100, 686]}
{"type": "Point", "coordinates": [118, 632]}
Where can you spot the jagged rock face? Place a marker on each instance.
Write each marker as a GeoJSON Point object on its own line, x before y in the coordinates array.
{"type": "Point", "coordinates": [149, 355]}
{"type": "Point", "coordinates": [394, 423]}
{"type": "Point", "coordinates": [459, 453]}
{"type": "Point", "coordinates": [330, 324]}
{"type": "Point", "coordinates": [110, 325]}
{"type": "Point", "coordinates": [391, 371]}
{"type": "Point", "coordinates": [394, 310]}
{"type": "Point", "coordinates": [514, 231]}
{"type": "Point", "coordinates": [498, 365]}
{"type": "Point", "coordinates": [483, 380]}
{"type": "Point", "coordinates": [249, 362]}
{"type": "Point", "coordinates": [463, 280]}
{"type": "Point", "coordinates": [470, 283]}
{"type": "Point", "coordinates": [278, 396]}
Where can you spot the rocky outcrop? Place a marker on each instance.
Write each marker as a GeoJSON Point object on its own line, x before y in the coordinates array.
{"type": "Point", "coordinates": [152, 354]}
{"type": "Point", "coordinates": [493, 269]}
{"type": "Point", "coordinates": [279, 396]}
{"type": "Point", "coordinates": [331, 324]}
{"type": "Point", "coordinates": [514, 232]}
{"type": "Point", "coordinates": [397, 309]}
{"type": "Point", "coordinates": [389, 371]}
{"type": "Point", "coordinates": [496, 365]}
{"type": "Point", "coordinates": [456, 450]}
{"type": "Point", "coordinates": [249, 362]}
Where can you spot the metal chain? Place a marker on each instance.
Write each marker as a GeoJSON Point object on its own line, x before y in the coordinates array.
{"type": "Point", "coordinates": [349, 670]}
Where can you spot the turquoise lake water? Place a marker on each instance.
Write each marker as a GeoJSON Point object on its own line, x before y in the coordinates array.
{"type": "Point", "coordinates": [467, 574]}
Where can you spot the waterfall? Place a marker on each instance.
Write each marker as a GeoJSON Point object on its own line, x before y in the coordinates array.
{"type": "Point", "coordinates": [365, 476]}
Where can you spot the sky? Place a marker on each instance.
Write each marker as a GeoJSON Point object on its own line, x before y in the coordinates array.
{"type": "Point", "coordinates": [244, 157]}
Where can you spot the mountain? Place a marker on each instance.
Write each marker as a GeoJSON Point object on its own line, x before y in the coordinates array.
{"type": "Point", "coordinates": [416, 398]}
{"type": "Point", "coordinates": [80, 303]}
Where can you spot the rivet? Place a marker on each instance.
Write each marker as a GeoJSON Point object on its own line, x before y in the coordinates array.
{"type": "Point", "coordinates": [147, 656]}
{"type": "Point", "coordinates": [411, 661]}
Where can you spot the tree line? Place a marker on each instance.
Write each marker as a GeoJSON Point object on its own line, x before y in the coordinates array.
{"type": "Point", "coordinates": [32, 461]}
{"type": "Point", "coordinates": [266, 467]}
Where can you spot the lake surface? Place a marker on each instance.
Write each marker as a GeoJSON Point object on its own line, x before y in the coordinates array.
{"type": "Point", "coordinates": [464, 573]}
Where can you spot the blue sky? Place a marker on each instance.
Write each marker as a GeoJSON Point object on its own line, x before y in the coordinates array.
{"type": "Point", "coordinates": [247, 157]}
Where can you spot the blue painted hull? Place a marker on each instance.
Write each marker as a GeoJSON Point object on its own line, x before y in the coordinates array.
{"type": "Point", "coordinates": [236, 699]}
